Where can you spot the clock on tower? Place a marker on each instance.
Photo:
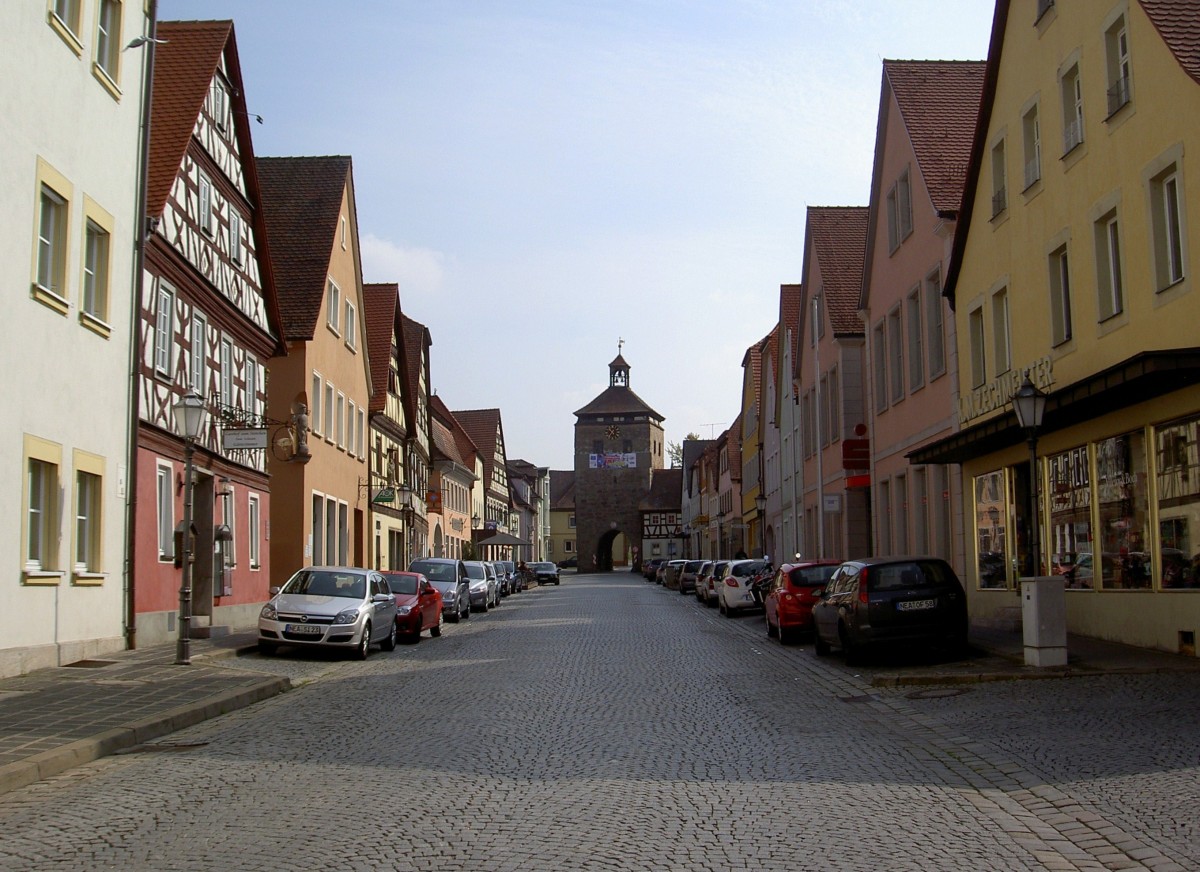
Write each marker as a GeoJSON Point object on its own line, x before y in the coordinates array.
{"type": "Point", "coordinates": [613, 432]}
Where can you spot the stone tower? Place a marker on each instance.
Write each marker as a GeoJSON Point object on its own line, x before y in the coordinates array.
{"type": "Point", "coordinates": [618, 441]}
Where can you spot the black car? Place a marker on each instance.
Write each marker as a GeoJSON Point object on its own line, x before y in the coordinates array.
{"type": "Point", "coordinates": [880, 600]}
{"type": "Point", "coordinates": [545, 572]}
{"type": "Point", "coordinates": [450, 577]}
{"type": "Point", "coordinates": [569, 563]}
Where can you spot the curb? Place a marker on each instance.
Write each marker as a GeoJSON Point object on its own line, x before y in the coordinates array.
{"type": "Point", "coordinates": [53, 762]}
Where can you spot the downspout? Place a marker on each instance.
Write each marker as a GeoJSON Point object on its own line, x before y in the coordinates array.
{"type": "Point", "coordinates": [141, 231]}
{"type": "Point", "coordinates": [818, 447]}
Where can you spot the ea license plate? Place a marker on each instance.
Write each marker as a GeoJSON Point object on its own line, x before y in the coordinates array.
{"type": "Point", "coordinates": [306, 629]}
{"type": "Point", "coordinates": [916, 605]}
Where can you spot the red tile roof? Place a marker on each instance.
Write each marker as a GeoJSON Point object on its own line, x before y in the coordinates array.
{"type": "Point", "coordinates": [666, 491]}
{"type": "Point", "coordinates": [414, 353]}
{"type": "Point", "coordinates": [1178, 23]}
{"type": "Point", "coordinates": [790, 299]}
{"type": "Point", "coordinates": [467, 450]}
{"type": "Point", "coordinates": [838, 236]}
{"type": "Point", "coordinates": [302, 201]}
{"type": "Point", "coordinates": [939, 103]}
{"type": "Point", "coordinates": [382, 303]}
{"type": "Point", "coordinates": [562, 489]}
{"type": "Point", "coordinates": [444, 446]}
{"type": "Point", "coordinates": [483, 425]}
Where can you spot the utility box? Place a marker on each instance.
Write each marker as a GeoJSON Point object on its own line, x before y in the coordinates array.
{"type": "Point", "coordinates": [1044, 620]}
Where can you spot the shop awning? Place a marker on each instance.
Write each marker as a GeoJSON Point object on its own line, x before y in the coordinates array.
{"type": "Point", "coordinates": [498, 539]}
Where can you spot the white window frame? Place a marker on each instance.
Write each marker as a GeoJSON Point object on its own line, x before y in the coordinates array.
{"type": "Point", "coordinates": [339, 422]}
{"type": "Point", "coordinates": [351, 423]}
{"type": "Point", "coordinates": [229, 504]}
{"type": "Point", "coordinates": [1071, 89]}
{"type": "Point", "coordinates": [41, 525]}
{"type": "Point", "coordinates": [317, 529]}
{"type": "Point", "coordinates": [89, 491]}
{"type": "Point", "coordinates": [1109, 283]}
{"type": "Point", "coordinates": [220, 104]}
{"type": "Point", "coordinates": [53, 214]}
{"type": "Point", "coordinates": [318, 393]}
{"type": "Point", "coordinates": [333, 303]}
{"type": "Point", "coordinates": [935, 327]}
{"type": "Point", "coordinates": [916, 340]}
{"type": "Point", "coordinates": [1031, 128]}
{"type": "Point", "coordinates": [1116, 56]}
{"type": "Point", "coordinates": [330, 432]}
{"type": "Point", "coordinates": [976, 342]}
{"type": "Point", "coordinates": [226, 372]}
{"type": "Point", "coordinates": [164, 328]}
{"type": "Point", "coordinates": [97, 266]}
{"type": "Point", "coordinates": [205, 204]}
{"type": "Point", "coordinates": [1060, 296]}
{"type": "Point", "coordinates": [67, 13]}
{"type": "Point", "coordinates": [880, 360]}
{"type": "Point", "coordinates": [252, 404]}
{"type": "Point", "coordinates": [1001, 332]}
{"type": "Point", "coordinates": [350, 326]}
{"type": "Point", "coordinates": [362, 429]}
{"type": "Point", "coordinates": [235, 235]}
{"type": "Point", "coordinates": [254, 530]}
{"type": "Point", "coordinates": [1168, 226]}
{"type": "Point", "coordinates": [999, 177]}
{"type": "Point", "coordinates": [165, 489]}
{"type": "Point", "coordinates": [895, 342]}
{"type": "Point", "coordinates": [199, 362]}
{"type": "Point", "coordinates": [108, 39]}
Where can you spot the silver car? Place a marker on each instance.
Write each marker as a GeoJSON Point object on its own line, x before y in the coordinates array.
{"type": "Point", "coordinates": [330, 606]}
{"type": "Point", "coordinates": [484, 589]}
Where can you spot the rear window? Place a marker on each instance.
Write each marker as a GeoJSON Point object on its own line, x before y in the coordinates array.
{"type": "Point", "coordinates": [475, 570]}
{"type": "Point", "coordinates": [435, 571]}
{"type": "Point", "coordinates": [900, 576]}
{"type": "Point", "coordinates": [752, 568]}
{"type": "Point", "coordinates": [402, 583]}
{"type": "Point", "coordinates": [812, 575]}
{"type": "Point", "coordinates": [693, 566]}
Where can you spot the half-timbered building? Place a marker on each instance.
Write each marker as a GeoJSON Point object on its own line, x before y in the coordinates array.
{"type": "Point", "coordinates": [208, 323]}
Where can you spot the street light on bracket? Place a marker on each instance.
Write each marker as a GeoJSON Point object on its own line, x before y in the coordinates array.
{"type": "Point", "coordinates": [190, 411]}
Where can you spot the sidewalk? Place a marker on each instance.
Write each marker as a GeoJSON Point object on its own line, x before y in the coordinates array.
{"type": "Point", "coordinates": [54, 719]}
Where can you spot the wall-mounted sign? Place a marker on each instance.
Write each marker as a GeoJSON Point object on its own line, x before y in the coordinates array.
{"type": "Point", "coordinates": [998, 393]}
{"type": "Point", "coordinates": [831, 502]}
{"type": "Point", "coordinates": [384, 495]}
{"type": "Point", "coordinates": [243, 438]}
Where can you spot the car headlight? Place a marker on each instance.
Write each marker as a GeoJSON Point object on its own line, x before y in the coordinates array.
{"type": "Point", "coordinates": [349, 616]}
{"type": "Point", "coordinates": [268, 612]}
{"type": "Point", "coordinates": [403, 610]}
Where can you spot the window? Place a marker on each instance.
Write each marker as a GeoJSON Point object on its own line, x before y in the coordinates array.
{"type": "Point", "coordinates": [1108, 266]}
{"type": "Point", "coordinates": [339, 424]}
{"type": "Point", "coordinates": [1116, 52]}
{"type": "Point", "coordinates": [343, 534]}
{"type": "Point", "coordinates": [879, 347]}
{"type": "Point", "coordinates": [252, 404]}
{"type": "Point", "coordinates": [999, 180]}
{"type": "Point", "coordinates": [66, 12]}
{"type": "Point", "coordinates": [206, 205]}
{"type": "Point", "coordinates": [199, 361]}
{"type": "Point", "coordinates": [41, 511]}
{"type": "Point", "coordinates": [824, 397]}
{"type": "Point", "coordinates": [318, 391]}
{"type": "Point", "coordinates": [1178, 475]}
{"type": "Point", "coordinates": [226, 373]}
{"type": "Point", "coordinates": [52, 244]}
{"type": "Point", "coordinates": [235, 236]}
{"type": "Point", "coordinates": [333, 303]}
{"type": "Point", "coordinates": [991, 528]}
{"type": "Point", "coordinates": [331, 538]}
{"type": "Point", "coordinates": [571, 521]}
{"type": "Point", "coordinates": [108, 38]}
{"type": "Point", "coordinates": [342, 233]}
{"type": "Point", "coordinates": [934, 325]}
{"type": "Point", "coordinates": [254, 531]}
{"type": "Point", "coordinates": [229, 519]}
{"type": "Point", "coordinates": [885, 517]}
{"type": "Point", "coordinates": [220, 104]}
{"type": "Point", "coordinates": [833, 405]}
{"type": "Point", "coordinates": [1000, 331]}
{"type": "Point", "coordinates": [316, 535]}
{"type": "Point", "coordinates": [96, 248]}
{"type": "Point", "coordinates": [166, 512]}
{"type": "Point", "coordinates": [895, 355]}
{"type": "Point", "coordinates": [920, 512]}
{"type": "Point", "coordinates": [162, 329]}
{"type": "Point", "coordinates": [362, 431]}
{"type": "Point", "coordinates": [916, 353]}
{"type": "Point", "coordinates": [899, 212]}
{"type": "Point", "coordinates": [1166, 225]}
{"type": "Point", "coordinates": [351, 326]}
{"type": "Point", "coordinates": [975, 337]}
{"type": "Point", "coordinates": [1123, 512]}
{"type": "Point", "coordinates": [1070, 517]}
{"type": "Point", "coordinates": [1060, 297]}
{"type": "Point", "coordinates": [351, 423]}
{"type": "Point", "coordinates": [1072, 101]}
{"type": "Point", "coordinates": [900, 516]}
{"type": "Point", "coordinates": [87, 521]}
{"type": "Point", "coordinates": [330, 432]}
{"type": "Point", "coordinates": [1032, 135]}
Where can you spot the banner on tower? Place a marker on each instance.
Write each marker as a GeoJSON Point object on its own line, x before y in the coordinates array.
{"type": "Point", "coordinates": [612, 461]}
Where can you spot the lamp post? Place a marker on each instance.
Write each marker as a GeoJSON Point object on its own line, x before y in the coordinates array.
{"type": "Point", "coordinates": [760, 505]}
{"type": "Point", "coordinates": [1029, 403]}
{"type": "Point", "coordinates": [406, 509]}
{"type": "Point", "coordinates": [190, 408]}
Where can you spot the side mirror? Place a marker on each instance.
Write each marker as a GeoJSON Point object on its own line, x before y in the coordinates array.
{"type": "Point", "coordinates": [383, 598]}
{"type": "Point", "coordinates": [274, 591]}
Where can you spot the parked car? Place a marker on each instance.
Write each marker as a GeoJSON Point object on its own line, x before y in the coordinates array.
{"type": "Point", "coordinates": [712, 580]}
{"type": "Point", "coordinates": [483, 586]}
{"type": "Point", "coordinates": [545, 572]}
{"type": "Point", "coordinates": [670, 573]}
{"type": "Point", "coordinates": [650, 568]}
{"type": "Point", "coordinates": [330, 606]}
{"type": "Point", "coordinates": [687, 577]}
{"type": "Point", "coordinates": [880, 600]}
{"type": "Point", "coordinates": [734, 593]}
{"type": "Point", "coordinates": [493, 582]}
{"type": "Point", "coordinates": [506, 571]}
{"type": "Point", "coordinates": [449, 576]}
{"type": "Point", "coordinates": [418, 604]}
{"type": "Point", "coordinates": [702, 576]}
{"type": "Point", "coordinates": [569, 563]}
{"type": "Point", "coordinates": [794, 591]}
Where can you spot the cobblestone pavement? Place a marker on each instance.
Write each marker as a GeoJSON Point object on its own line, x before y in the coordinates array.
{"type": "Point", "coordinates": [608, 724]}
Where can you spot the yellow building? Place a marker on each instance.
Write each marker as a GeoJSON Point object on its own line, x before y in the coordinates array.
{"type": "Point", "coordinates": [1073, 264]}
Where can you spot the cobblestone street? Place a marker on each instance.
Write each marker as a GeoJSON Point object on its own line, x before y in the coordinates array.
{"type": "Point", "coordinates": [609, 724]}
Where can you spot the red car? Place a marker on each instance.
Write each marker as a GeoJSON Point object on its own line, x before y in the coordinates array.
{"type": "Point", "coordinates": [793, 594]}
{"type": "Point", "coordinates": [418, 604]}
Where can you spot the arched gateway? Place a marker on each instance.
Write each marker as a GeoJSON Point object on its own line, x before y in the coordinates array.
{"type": "Point", "coordinates": [618, 454]}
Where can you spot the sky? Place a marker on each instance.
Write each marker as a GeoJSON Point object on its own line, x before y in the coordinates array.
{"type": "Point", "coordinates": [547, 178]}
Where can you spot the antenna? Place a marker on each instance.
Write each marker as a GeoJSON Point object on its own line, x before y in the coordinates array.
{"type": "Point", "coordinates": [710, 426]}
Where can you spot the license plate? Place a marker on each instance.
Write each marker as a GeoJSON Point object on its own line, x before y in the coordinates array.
{"type": "Point", "coordinates": [306, 629]}
{"type": "Point", "coordinates": [916, 605]}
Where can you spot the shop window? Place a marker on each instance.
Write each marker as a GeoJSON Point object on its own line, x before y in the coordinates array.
{"type": "Point", "coordinates": [1178, 470]}
{"type": "Point", "coordinates": [1121, 494]}
{"type": "Point", "coordinates": [1070, 507]}
{"type": "Point", "coordinates": [991, 530]}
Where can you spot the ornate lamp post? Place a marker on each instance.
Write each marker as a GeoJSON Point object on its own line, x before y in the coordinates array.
{"type": "Point", "coordinates": [406, 509]}
{"type": "Point", "coordinates": [190, 412]}
{"type": "Point", "coordinates": [1029, 403]}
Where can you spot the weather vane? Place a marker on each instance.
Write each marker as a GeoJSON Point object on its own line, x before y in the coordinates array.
{"type": "Point", "coordinates": [620, 345]}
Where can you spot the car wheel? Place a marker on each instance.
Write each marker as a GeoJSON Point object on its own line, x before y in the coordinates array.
{"type": "Point", "coordinates": [853, 653]}
{"type": "Point", "coordinates": [436, 629]}
{"type": "Point", "coordinates": [820, 646]}
{"type": "Point", "coordinates": [389, 644]}
{"type": "Point", "coordinates": [364, 646]}
{"type": "Point", "coordinates": [484, 608]}
{"type": "Point", "coordinates": [721, 607]}
{"type": "Point", "coordinates": [786, 636]}
{"type": "Point", "coordinates": [771, 631]}
{"type": "Point", "coordinates": [267, 648]}
{"type": "Point", "coordinates": [464, 611]}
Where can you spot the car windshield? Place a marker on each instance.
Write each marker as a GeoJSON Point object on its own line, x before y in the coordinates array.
{"type": "Point", "coordinates": [814, 575]}
{"type": "Point", "coordinates": [402, 583]}
{"type": "Point", "coordinates": [324, 582]}
{"type": "Point", "coordinates": [434, 571]}
{"type": "Point", "coordinates": [476, 571]}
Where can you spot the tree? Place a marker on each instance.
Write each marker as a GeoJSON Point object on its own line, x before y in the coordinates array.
{"type": "Point", "coordinates": [675, 450]}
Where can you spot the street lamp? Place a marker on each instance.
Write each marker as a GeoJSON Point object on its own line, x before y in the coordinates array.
{"type": "Point", "coordinates": [190, 411]}
{"type": "Point", "coordinates": [1029, 403]}
{"type": "Point", "coordinates": [406, 509]}
{"type": "Point", "coordinates": [760, 504]}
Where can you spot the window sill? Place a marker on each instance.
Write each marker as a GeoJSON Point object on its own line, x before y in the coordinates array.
{"type": "Point", "coordinates": [65, 33]}
{"type": "Point", "coordinates": [101, 75]}
{"type": "Point", "coordinates": [48, 298]}
{"type": "Point", "coordinates": [96, 325]}
{"type": "Point", "coordinates": [42, 577]}
{"type": "Point", "coordinates": [89, 579]}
